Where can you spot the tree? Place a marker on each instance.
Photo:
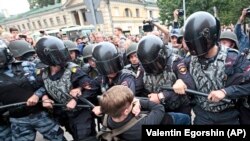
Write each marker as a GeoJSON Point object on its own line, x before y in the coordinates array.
{"type": "Point", "coordinates": [42, 3]}
{"type": "Point", "coordinates": [228, 11]}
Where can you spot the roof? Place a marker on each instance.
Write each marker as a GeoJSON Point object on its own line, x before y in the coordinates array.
{"type": "Point", "coordinates": [49, 8]}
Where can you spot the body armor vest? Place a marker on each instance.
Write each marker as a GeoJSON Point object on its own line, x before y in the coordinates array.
{"type": "Point", "coordinates": [59, 89]}
{"type": "Point", "coordinates": [167, 78]}
{"type": "Point", "coordinates": [210, 77]}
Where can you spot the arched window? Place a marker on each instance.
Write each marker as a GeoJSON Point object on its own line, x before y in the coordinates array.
{"type": "Point", "coordinates": [128, 12]}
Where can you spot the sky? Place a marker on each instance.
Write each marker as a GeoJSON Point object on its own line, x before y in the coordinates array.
{"type": "Point", "coordinates": [14, 6]}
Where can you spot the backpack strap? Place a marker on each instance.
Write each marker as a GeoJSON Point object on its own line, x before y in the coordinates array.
{"type": "Point", "coordinates": [110, 135]}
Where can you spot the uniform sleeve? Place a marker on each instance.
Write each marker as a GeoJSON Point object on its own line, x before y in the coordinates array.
{"type": "Point", "coordinates": [129, 81]}
{"type": "Point", "coordinates": [88, 85]}
{"type": "Point", "coordinates": [238, 82]}
{"type": "Point", "coordinates": [180, 68]}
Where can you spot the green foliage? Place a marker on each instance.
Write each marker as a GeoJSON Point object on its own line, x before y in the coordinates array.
{"type": "Point", "coordinates": [42, 3]}
{"type": "Point", "coordinates": [227, 11]}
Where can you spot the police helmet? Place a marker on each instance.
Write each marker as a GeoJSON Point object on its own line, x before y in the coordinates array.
{"type": "Point", "coordinates": [52, 51]}
{"type": "Point", "coordinates": [6, 57]}
{"type": "Point", "coordinates": [108, 59]}
{"type": "Point", "coordinates": [201, 32]}
{"type": "Point", "coordinates": [231, 36]}
{"type": "Point", "coordinates": [131, 49]}
{"type": "Point", "coordinates": [87, 52]}
{"type": "Point", "coordinates": [152, 54]}
{"type": "Point", "coordinates": [20, 48]}
{"type": "Point", "coordinates": [71, 46]}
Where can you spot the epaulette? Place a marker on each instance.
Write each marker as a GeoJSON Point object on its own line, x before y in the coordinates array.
{"type": "Point", "coordinates": [74, 69]}
{"type": "Point", "coordinates": [38, 71]}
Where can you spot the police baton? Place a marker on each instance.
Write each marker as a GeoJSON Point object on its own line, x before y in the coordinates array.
{"type": "Point", "coordinates": [86, 101]}
{"type": "Point", "coordinates": [78, 106]}
{"type": "Point", "coordinates": [194, 92]}
{"type": "Point", "coordinates": [12, 105]}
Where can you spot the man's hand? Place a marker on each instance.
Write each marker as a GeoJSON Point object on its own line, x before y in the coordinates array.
{"type": "Point", "coordinates": [154, 98]}
{"type": "Point", "coordinates": [97, 110]}
{"type": "Point", "coordinates": [216, 96]}
{"type": "Point", "coordinates": [75, 92]}
{"type": "Point", "coordinates": [71, 104]}
{"type": "Point", "coordinates": [179, 87]}
{"type": "Point", "coordinates": [33, 100]}
{"type": "Point", "coordinates": [136, 107]}
{"type": "Point", "coordinates": [48, 103]}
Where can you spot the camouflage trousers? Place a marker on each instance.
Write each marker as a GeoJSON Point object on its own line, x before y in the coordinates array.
{"type": "Point", "coordinates": [5, 133]}
{"type": "Point", "coordinates": [25, 128]}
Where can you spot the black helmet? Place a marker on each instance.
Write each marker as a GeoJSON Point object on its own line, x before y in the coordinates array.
{"type": "Point", "coordinates": [108, 59]}
{"type": "Point", "coordinates": [5, 57]}
{"type": "Point", "coordinates": [20, 47]}
{"type": "Point", "coordinates": [201, 32]}
{"type": "Point", "coordinates": [52, 51]}
{"type": "Point", "coordinates": [71, 46]}
{"type": "Point", "coordinates": [131, 49]}
{"type": "Point", "coordinates": [152, 54]}
{"type": "Point", "coordinates": [87, 52]}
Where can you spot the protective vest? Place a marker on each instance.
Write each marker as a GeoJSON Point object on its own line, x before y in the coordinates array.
{"type": "Point", "coordinates": [59, 89]}
{"type": "Point", "coordinates": [208, 77]}
{"type": "Point", "coordinates": [167, 78]}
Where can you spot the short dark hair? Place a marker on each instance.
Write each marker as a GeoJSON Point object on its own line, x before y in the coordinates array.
{"type": "Point", "coordinates": [13, 29]}
{"type": "Point", "coordinates": [118, 28]}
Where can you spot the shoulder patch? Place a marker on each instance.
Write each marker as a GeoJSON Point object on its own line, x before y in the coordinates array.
{"type": "Point", "coordinates": [74, 69]}
{"type": "Point", "coordinates": [182, 68]}
{"type": "Point", "coordinates": [38, 71]}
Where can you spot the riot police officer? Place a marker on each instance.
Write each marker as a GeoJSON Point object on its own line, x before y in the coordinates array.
{"type": "Point", "coordinates": [229, 39]}
{"type": "Point", "coordinates": [18, 84]}
{"type": "Point", "coordinates": [22, 50]}
{"type": "Point", "coordinates": [109, 64]}
{"type": "Point", "coordinates": [74, 52]}
{"type": "Point", "coordinates": [67, 84]}
{"type": "Point", "coordinates": [5, 59]}
{"type": "Point", "coordinates": [161, 70]}
{"type": "Point", "coordinates": [90, 66]}
{"type": "Point", "coordinates": [135, 66]}
{"type": "Point", "coordinates": [213, 68]}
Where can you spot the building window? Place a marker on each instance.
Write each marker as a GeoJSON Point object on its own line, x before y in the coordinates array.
{"type": "Point", "coordinates": [28, 24]}
{"type": "Point", "coordinates": [19, 27]}
{"type": "Point", "coordinates": [34, 25]}
{"type": "Point", "coordinates": [51, 21]}
{"type": "Point", "coordinates": [58, 20]}
{"type": "Point", "coordinates": [150, 14]}
{"type": "Point", "coordinates": [116, 11]}
{"type": "Point", "coordinates": [64, 19]}
{"type": "Point", "coordinates": [23, 26]}
{"type": "Point", "coordinates": [137, 12]}
{"type": "Point", "coordinates": [83, 15]}
{"type": "Point", "coordinates": [45, 22]}
{"type": "Point", "coordinates": [128, 12]}
{"type": "Point", "coordinates": [39, 24]}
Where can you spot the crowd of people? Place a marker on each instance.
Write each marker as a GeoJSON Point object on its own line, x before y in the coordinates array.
{"type": "Point", "coordinates": [116, 79]}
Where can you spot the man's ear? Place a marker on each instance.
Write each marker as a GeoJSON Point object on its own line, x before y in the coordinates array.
{"type": "Point", "coordinates": [127, 111]}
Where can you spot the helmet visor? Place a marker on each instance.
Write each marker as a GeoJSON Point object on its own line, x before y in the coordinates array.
{"type": "Point", "coordinates": [59, 57]}
{"type": "Point", "coordinates": [155, 66]}
{"type": "Point", "coordinates": [198, 47]}
{"type": "Point", "coordinates": [110, 66]}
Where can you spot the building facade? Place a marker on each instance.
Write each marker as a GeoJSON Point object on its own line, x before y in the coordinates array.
{"type": "Point", "coordinates": [127, 14]}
